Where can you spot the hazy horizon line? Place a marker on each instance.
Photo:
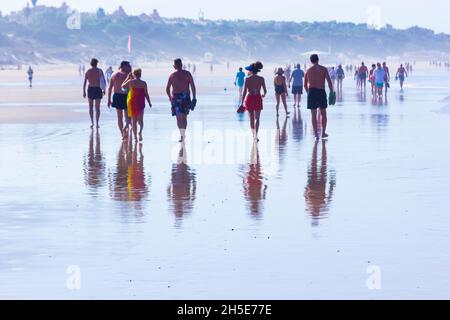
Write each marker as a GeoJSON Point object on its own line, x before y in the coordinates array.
{"type": "Point", "coordinates": [111, 12]}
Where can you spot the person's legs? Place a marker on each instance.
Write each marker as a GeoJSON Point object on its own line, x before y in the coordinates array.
{"type": "Point", "coordinates": [277, 98]}
{"type": "Point", "coordinates": [182, 125]}
{"type": "Point", "coordinates": [97, 111]}
{"type": "Point", "coordinates": [314, 122]}
{"type": "Point", "coordinates": [141, 125]}
{"type": "Point", "coordinates": [257, 115]}
{"type": "Point", "coordinates": [120, 120]}
{"type": "Point", "coordinates": [283, 98]}
{"type": "Point", "coordinates": [251, 116]}
{"type": "Point", "coordinates": [323, 113]}
{"type": "Point", "coordinates": [91, 111]}
{"type": "Point", "coordinates": [134, 123]}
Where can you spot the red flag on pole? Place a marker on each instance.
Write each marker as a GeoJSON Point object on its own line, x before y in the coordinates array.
{"type": "Point", "coordinates": [129, 43]}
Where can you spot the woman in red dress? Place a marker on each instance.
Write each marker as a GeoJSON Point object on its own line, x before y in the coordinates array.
{"type": "Point", "coordinates": [252, 97]}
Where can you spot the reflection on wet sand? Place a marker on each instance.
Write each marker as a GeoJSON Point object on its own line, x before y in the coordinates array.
{"type": "Point", "coordinates": [254, 187]}
{"type": "Point", "coordinates": [183, 187]}
{"type": "Point", "coordinates": [128, 182]}
{"type": "Point", "coordinates": [298, 126]}
{"type": "Point", "coordinates": [380, 121]}
{"type": "Point", "coordinates": [281, 139]}
{"type": "Point", "coordinates": [321, 184]}
{"type": "Point", "coordinates": [93, 164]}
{"type": "Point", "coordinates": [379, 101]}
{"type": "Point", "coordinates": [362, 96]}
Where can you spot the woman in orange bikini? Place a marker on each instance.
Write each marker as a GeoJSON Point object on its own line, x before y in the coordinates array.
{"type": "Point", "coordinates": [137, 94]}
{"type": "Point", "coordinates": [252, 97]}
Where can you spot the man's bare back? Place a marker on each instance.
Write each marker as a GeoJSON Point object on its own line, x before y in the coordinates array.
{"type": "Point", "coordinates": [180, 81]}
{"type": "Point", "coordinates": [116, 81]}
{"type": "Point", "coordinates": [93, 77]}
{"type": "Point", "coordinates": [316, 76]}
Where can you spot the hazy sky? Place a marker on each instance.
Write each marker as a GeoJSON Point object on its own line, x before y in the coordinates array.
{"type": "Point", "coordinates": [431, 14]}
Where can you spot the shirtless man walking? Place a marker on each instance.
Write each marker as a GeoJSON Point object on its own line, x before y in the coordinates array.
{"type": "Point", "coordinates": [363, 72]}
{"type": "Point", "coordinates": [401, 74]}
{"type": "Point", "coordinates": [178, 90]}
{"type": "Point", "coordinates": [119, 99]}
{"type": "Point", "coordinates": [94, 76]}
{"type": "Point", "coordinates": [317, 97]}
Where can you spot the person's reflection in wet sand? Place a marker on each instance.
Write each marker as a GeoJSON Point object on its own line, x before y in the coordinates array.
{"type": "Point", "coordinates": [281, 139]}
{"type": "Point", "coordinates": [339, 95]}
{"type": "Point", "coordinates": [380, 121]}
{"type": "Point", "coordinates": [93, 165]}
{"type": "Point", "coordinates": [297, 126]}
{"type": "Point", "coordinates": [321, 184]}
{"type": "Point", "coordinates": [183, 187]}
{"type": "Point", "coordinates": [129, 181]}
{"type": "Point", "coordinates": [119, 179]}
{"type": "Point", "coordinates": [362, 97]}
{"type": "Point", "coordinates": [137, 184]}
{"type": "Point", "coordinates": [254, 187]}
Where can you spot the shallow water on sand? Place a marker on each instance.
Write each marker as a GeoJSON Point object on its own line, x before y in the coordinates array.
{"type": "Point", "coordinates": [290, 218]}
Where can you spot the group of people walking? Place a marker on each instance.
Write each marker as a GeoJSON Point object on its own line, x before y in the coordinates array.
{"type": "Point", "coordinates": [313, 81]}
{"type": "Point", "coordinates": [128, 94]}
{"type": "Point", "coordinates": [379, 77]}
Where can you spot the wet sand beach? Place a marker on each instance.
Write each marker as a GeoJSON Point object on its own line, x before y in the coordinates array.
{"type": "Point", "coordinates": [217, 217]}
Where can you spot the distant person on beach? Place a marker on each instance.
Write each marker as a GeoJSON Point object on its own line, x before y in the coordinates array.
{"type": "Point", "coordinates": [252, 97]}
{"type": "Point", "coordinates": [387, 76]}
{"type": "Point", "coordinates": [194, 69]}
{"type": "Point", "coordinates": [109, 72]}
{"type": "Point", "coordinates": [401, 75]}
{"type": "Point", "coordinates": [315, 79]}
{"type": "Point", "coordinates": [239, 82]}
{"type": "Point", "coordinates": [296, 80]}
{"type": "Point", "coordinates": [280, 90]}
{"type": "Point", "coordinates": [372, 78]}
{"type": "Point", "coordinates": [178, 90]}
{"type": "Point", "coordinates": [30, 73]}
{"type": "Point", "coordinates": [340, 75]}
{"type": "Point", "coordinates": [333, 75]}
{"type": "Point", "coordinates": [379, 77]}
{"type": "Point", "coordinates": [356, 77]}
{"type": "Point", "coordinates": [80, 70]}
{"type": "Point", "coordinates": [95, 79]}
{"type": "Point", "coordinates": [287, 73]}
{"type": "Point", "coordinates": [363, 72]}
{"type": "Point", "coordinates": [137, 94]}
{"type": "Point", "coordinates": [119, 99]}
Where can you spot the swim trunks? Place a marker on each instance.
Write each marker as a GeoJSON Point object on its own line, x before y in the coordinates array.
{"type": "Point", "coordinates": [317, 98]}
{"type": "Point", "coordinates": [279, 89]}
{"type": "Point", "coordinates": [120, 101]}
{"type": "Point", "coordinates": [380, 84]}
{"type": "Point", "coordinates": [181, 103]}
{"type": "Point", "coordinates": [401, 78]}
{"type": "Point", "coordinates": [95, 93]}
{"type": "Point", "coordinates": [253, 102]}
{"type": "Point", "coordinates": [297, 90]}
